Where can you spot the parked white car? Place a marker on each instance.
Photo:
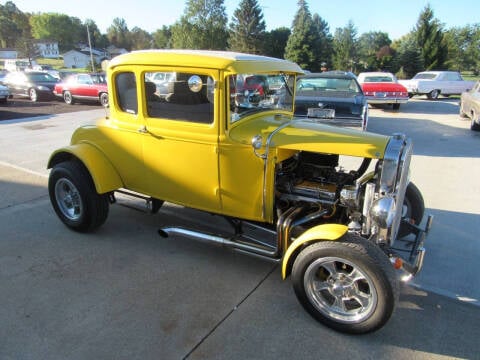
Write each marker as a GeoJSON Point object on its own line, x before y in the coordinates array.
{"type": "Point", "coordinates": [435, 83]}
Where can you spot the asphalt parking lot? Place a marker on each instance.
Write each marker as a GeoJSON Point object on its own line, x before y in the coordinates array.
{"type": "Point", "coordinates": [126, 293]}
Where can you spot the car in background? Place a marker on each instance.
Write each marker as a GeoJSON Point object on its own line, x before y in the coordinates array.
{"type": "Point", "coordinates": [470, 106]}
{"type": "Point", "coordinates": [383, 88]}
{"type": "Point", "coordinates": [4, 94]}
{"type": "Point", "coordinates": [83, 87]}
{"type": "Point", "coordinates": [332, 97]}
{"type": "Point", "coordinates": [161, 81]}
{"type": "Point", "coordinates": [34, 85]}
{"type": "Point", "coordinates": [435, 83]}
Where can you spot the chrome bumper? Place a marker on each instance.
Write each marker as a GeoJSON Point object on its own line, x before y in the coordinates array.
{"type": "Point", "coordinates": [414, 262]}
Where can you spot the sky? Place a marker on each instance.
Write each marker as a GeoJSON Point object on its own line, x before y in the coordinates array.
{"type": "Point", "coordinates": [396, 18]}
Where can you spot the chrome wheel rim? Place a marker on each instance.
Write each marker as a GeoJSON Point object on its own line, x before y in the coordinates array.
{"type": "Point", "coordinates": [68, 199]}
{"type": "Point", "coordinates": [33, 95]}
{"type": "Point", "coordinates": [340, 289]}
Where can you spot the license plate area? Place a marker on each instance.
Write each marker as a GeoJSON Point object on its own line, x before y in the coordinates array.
{"type": "Point", "coordinates": [321, 113]}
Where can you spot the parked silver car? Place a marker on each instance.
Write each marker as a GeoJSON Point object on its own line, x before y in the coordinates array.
{"type": "Point", "coordinates": [470, 106]}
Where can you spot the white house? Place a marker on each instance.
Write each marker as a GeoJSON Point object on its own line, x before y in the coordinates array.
{"type": "Point", "coordinates": [81, 58]}
{"type": "Point", "coordinates": [48, 49]}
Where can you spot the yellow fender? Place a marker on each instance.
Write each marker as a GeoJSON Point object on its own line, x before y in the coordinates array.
{"type": "Point", "coordinates": [104, 175]}
{"type": "Point", "coordinates": [317, 233]}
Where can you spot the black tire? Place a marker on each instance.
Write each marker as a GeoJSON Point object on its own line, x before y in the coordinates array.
{"type": "Point", "coordinates": [474, 121]}
{"type": "Point", "coordinates": [74, 198]}
{"type": "Point", "coordinates": [103, 99]}
{"type": "Point", "coordinates": [413, 209]}
{"type": "Point", "coordinates": [396, 106]}
{"type": "Point", "coordinates": [463, 114]}
{"type": "Point", "coordinates": [433, 95]}
{"type": "Point", "coordinates": [33, 95]}
{"type": "Point", "coordinates": [68, 98]}
{"type": "Point", "coordinates": [348, 284]}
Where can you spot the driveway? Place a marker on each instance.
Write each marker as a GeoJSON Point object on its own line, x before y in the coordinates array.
{"type": "Point", "coordinates": [124, 292]}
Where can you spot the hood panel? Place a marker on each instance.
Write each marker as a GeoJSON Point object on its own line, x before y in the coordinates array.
{"type": "Point", "coordinates": [308, 135]}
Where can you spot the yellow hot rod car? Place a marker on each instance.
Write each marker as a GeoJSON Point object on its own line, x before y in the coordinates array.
{"type": "Point", "coordinates": [215, 131]}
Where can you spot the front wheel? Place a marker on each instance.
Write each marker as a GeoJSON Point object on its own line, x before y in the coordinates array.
{"type": "Point", "coordinates": [74, 198]}
{"type": "Point", "coordinates": [104, 99]}
{"type": "Point", "coordinates": [348, 284]}
{"type": "Point", "coordinates": [412, 210]}
{"type": "Point", "coordinates": [33, 95]}
{"type": "Point", "coordinates": [433, 95]}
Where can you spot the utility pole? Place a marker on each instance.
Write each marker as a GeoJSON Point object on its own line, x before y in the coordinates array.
{"type": "Point", "coordinates": [90, 47]}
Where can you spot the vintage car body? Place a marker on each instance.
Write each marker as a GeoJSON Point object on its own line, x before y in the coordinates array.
{"type": "Point", "coordinates": [332, 97]}
{"type": "Point", "coordinates": [470, 106]}
{"type": "Point", "coordinates": [83, 87]}
{"type": "Point", "coordinates": [383, 88]}
{"type": "Point", "coordinates": [275, 178]}
{"type": "Point", "coordinates": [435, 83]}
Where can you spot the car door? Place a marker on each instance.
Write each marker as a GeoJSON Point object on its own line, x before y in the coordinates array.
{"type": "Point", "coordinates": [180, 141]}
{"type": "Point", "coordinates": [85, 86]}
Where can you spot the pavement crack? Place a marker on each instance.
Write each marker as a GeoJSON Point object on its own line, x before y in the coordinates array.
{"type": "Point", "coordinates": [217, 325]}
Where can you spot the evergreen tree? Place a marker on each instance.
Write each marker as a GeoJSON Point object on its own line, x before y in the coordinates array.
{"type": "Point", "coordinates": [430, 39]}
{"type": "Point", "coordinates": [409, 58]}
{"type": "Point", "coordinates": [277, 41]}
{"type": "Point", "coordinates": [14, 25]}
{"type": "Point", "coordinates": [304, 39]}
{"type": "Point", "coordinates": [202, 26]}
{"type": "Point", "coordinates": [324, 46]}
{"type": "Point", "coordinates": [247, 29]}
{"type": "Point", "coordinates": [345, 55]}
{"type": "Point", "coordinates": [118, 34]}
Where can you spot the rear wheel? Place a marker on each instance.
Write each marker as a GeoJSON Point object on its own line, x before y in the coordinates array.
{"type": "Point", "coordinates": [348, 284]}
{"type": "Point", "coordinates": [68, 98]}
{"type": "Point", "coordinates": [74, 198]}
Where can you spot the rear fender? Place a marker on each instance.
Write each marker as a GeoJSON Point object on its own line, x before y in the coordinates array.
{"type": "Point", "coordinates": [312, 235]}
{"type": "Point", "coordinates": [104, 175]}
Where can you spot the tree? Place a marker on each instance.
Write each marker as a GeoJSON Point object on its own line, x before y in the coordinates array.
{"type": "Point", "coordinates": [140, 39]}
{"type": "Point", "coordinates": [203, 25]}
{"type": "Point", "coordinates": [430, 39]}
{"type": "Point", "coordinates": [302, 42]}
{"type": "Point", "coordinates": [27, 48]}
{"type": "Point", "coordinates": [464, 48]}
{"type": "Point", "coordinates": [277, 41]}
{"type": "Point", "coordinates": [345, 55]}
{"type": "Point", "coordinates": [369, 46]}
{"type": "Point", "coordinates": [118, 34]}
{"type": "Point", "coordinates": [247, 29]}
{"type": "Point", "coordinates": [324, 46]}
{"type": "Point", "coordinates": [68, 31]}
{"type": "Point", "coordinates": [408, 60]}
{"type": "Point", "coordinates": [97, 39]}
{"type": "Point", "coordinates": [14, 25]}
{"type": "Point", "coordinates": [162, 38]}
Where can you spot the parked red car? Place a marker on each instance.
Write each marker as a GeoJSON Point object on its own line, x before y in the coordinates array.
{"type": "Point", "coordinates": [83, 87]}
{"type": "Point", "coordinates": [383, 88]}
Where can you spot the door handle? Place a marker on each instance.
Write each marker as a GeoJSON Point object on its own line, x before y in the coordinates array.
{"type": "Point", "coordinates": [142, 129]}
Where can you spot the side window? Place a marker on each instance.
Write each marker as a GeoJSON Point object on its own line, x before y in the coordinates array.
{"type": "Point", "coordinates": [126, 86]}
{"type": "Point", "coordinates": [170, 95]}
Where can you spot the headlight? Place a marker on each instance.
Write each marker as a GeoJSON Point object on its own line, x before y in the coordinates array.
{"type": "Point", "coordinates": [382, 212]}
{"type": "Point", "coordinates": [43, 88]}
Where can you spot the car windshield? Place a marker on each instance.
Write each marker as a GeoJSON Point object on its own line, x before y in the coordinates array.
{"type": "Point", "coordinates": [259, 92]}
{"type": "Point", "coordinates": [41, 77]}
{"type": "Point", "coordinates": [314, 85]}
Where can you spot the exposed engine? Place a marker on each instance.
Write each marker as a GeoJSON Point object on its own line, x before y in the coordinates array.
{"type": "Point", "coordinates": [317, 180]}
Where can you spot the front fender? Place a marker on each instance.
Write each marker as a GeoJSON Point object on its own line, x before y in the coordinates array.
{"type": "Point", "coordinates": [314, 234]}
{"type": "Point", "coordinates": [104, 175]}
